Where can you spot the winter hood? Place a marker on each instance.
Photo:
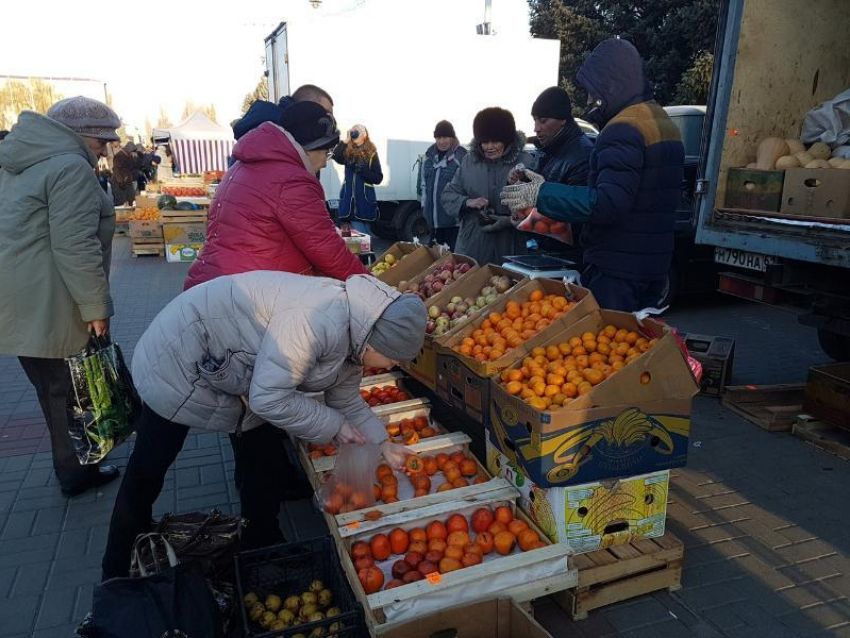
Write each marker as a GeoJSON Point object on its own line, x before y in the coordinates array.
{"type": "Point", "coordinates": [269, 143]}
{"type": "Point", "coordinates": [615, 73]}
{"type": "Point", "coordinates": [510, 156]}
{"type": "Point", "coordinates": [367, 300]}
{"type": "Point", "coordinates": [36, 138]}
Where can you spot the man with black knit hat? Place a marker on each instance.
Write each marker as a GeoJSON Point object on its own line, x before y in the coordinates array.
{"type": "Point", "coordinates": [636, 172]}
{"type": "Point", "coordinates": [442, 160]}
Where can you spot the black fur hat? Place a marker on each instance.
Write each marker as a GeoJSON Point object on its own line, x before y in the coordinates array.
{"type": "Point", "coordinates": [494, 125]}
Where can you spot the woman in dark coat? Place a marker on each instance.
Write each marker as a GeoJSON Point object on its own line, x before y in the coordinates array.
{"type": "Point", "coordinates": [486, 233]}
{"type": "Point", "coordinates": [442, 161]}
{"type": "Point", "coordinates": [357, 199]}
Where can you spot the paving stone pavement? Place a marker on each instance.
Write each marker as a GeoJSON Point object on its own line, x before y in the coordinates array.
{"type": "Point", "coordinates": [763, 516]}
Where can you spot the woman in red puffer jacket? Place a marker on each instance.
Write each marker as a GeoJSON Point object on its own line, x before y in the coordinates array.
{"type": "Point", "coordinates": [269, 210]}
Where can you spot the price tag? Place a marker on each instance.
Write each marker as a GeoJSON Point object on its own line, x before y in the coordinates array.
{"type": "Point", "coordinates": [353, 525]}
{"type": "Point", "coordinates": [434, 578]}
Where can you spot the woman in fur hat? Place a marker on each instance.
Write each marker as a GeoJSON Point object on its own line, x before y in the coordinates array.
{"type": "Point", "coordinates": [362, 173]}
{"type": "Point", "coordinates": [486, 233]}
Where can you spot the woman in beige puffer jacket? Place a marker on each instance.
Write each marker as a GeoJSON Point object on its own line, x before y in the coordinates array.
{"type": "Point", "coordinates": [244, 349]}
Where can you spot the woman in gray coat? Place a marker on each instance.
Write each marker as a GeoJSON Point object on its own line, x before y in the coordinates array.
{"type": "Point", "coordinates": [242, 350]}
{"type": "Point", "coordinates": [474, 195]}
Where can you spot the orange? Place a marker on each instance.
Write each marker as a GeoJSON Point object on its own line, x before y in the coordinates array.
{"type": "Point", "coordinates": [459, 538]}
{"type": "Point", "coordinates": [454, 551]}
{"type": "Point", "coordinates": [620, 336]}
{"type": "Point", "coordinates": [555, 379]}
{"type": "Point", "coordinates": [526, 539]}
{"type": "Point", "coordinates": [504, 515]}
{"type": "Point", "coordinates": [537, 295]}
{"type": "Point", "coordinates": [514, 387]}
{"type": "Point", "coordinates": [564, 349]}
{"type": "Point", "coordinates": [457, 523]}
{"type": "Point", "coordinates": [399, 541]}
{"type": "Point", "coordinates": [552, 390]}
{"type": "Point", "coordinates": [553, 353]}
{"type": "Point", "coordinates": [594, 377]}
{"type": "Point", "coordinates": [436, 529]}
{"type": "Point", "coordinates": [497, 527]}
{"type": "Point", "coordinates": [590, 346]}
{"type": "Point", "coordinates": [485, 541]}
{"type": "Point", "coordinates": [516, 526]}
{"type": "Point", "coordinates": [514, 375]}
{"type": "Point", "coordinates": [504, 542]}
{"type": "Point", "coordinates": [437, 545]}
{"type": "Point", "coordinates": [632, 337]}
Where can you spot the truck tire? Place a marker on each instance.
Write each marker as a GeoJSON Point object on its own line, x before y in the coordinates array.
{"type": "Point", "coordinates": [383, 230]}
{"type": "Point", "coordinates": [834, 345]}
{"type": "Point", "coordinates": [411, 223]}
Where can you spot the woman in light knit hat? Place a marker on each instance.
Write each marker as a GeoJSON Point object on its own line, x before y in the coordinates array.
{"type": "Point", "coordinates": [56, 227]}
{"type": "Point", "coordinates": [242, 350]}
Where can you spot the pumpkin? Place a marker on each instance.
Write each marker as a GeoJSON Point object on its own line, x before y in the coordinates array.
{"type": "Point", "coordinates": [752, 165]}
{"type": "Point", "coordinates": [804, 158]}
{"type": "Point", "coordinates": [818, 163]}
{"type": "Point", "coordinates": [787, 161]}
{"type": "Point", "coordinates": [770, 149]}
{"type": "Point", "coordinates": [820, 151]}
{"type": "Point", "coordinates": [794, 146]}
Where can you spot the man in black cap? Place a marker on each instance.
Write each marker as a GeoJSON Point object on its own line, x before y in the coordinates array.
{"type": "Point", "coordinates": [442, 161]}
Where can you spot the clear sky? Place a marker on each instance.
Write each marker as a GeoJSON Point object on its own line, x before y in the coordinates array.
{"type": "Point", "coordinates": [157, 52]}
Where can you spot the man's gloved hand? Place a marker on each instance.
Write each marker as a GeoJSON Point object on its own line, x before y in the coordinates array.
{"type": "Point", "coordinates": [502, 222]}
{"type": "Point", "coordinates": [523, 195]}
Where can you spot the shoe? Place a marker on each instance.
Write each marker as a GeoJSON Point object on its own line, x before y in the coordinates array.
{"type": "Point", "coordinates": [105, 474]}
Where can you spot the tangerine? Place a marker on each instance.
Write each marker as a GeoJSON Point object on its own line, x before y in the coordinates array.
{"type": "Point", "coordinates": [504, 543]}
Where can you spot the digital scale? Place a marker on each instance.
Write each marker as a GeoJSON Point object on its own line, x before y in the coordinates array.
{"type": "Point", "coordinates": [539, 266]}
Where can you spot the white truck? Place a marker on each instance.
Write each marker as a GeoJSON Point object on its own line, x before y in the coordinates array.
{"type": "Point", "coordinates": [400, 67]}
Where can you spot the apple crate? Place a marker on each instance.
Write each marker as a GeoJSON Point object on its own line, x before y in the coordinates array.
{"type": "Point", "coordinates": [520, 575]}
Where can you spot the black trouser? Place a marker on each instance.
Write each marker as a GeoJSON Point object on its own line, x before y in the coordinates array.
{"type": "Point", "coordinates": [615, 293]}
{"type": "Point", "coordinates": [158, 442]}
{"type": "Point", "coordinates": [446, 236]}
{"type": "Point", "coordinates": [52, 381]}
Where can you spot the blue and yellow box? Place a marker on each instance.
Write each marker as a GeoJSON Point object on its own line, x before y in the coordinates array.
{"type": "Point", "coordinates": [594, 515]}
{"type": "Point", "coordinates": [634, 422]}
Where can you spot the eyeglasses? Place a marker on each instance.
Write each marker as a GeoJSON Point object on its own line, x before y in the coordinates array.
{"type": "Point", "coordinates": [330, 154]}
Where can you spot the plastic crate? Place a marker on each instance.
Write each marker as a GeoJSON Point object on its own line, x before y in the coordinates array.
{"type": "Point", "coordinates": [288, 570]}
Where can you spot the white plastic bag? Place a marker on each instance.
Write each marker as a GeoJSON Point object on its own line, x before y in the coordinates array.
{"type": "Point", "coordinates": [829, 122]}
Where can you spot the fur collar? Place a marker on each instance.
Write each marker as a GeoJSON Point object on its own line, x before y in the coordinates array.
{"type": "Point", "coordinates": [510, 157]}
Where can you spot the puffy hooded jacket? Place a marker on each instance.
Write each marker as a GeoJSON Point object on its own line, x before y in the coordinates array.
{"type": "Point", "coordinates": [269, 214]}
{"type": "Point", "coordinates": [56, 227]}
{"type": "Point", "coordinates": [270, 337]}
{"type": "Point", "coordinates": [636, 171]}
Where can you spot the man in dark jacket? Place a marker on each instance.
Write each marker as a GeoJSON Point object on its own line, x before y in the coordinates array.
{"type": "Point", "coordinates": [636, 171]}
{"type": "Point", "coordinates": [563, 148]}
{"type": "Point", "coordinates": [442, 160]}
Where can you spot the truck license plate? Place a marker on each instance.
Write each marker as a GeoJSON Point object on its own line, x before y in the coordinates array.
{"type": "Point", "coordinates": [743, 259]}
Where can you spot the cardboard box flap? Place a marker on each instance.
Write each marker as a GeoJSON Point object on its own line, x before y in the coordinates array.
{"type": "Point", "coordinates": [414, 262]}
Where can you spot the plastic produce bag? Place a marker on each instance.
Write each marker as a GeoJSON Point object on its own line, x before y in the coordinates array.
{"type": "Point", "coordinates": [534, 222]}
{"type": "Point", "coordinates": [102, 400]}
{"type": "Point", "coordinates": [350, 486]}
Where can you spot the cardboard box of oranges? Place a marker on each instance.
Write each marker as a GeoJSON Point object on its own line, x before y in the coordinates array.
{"type": "Point", "coordinates": [590, 516]}
{"type": "Point", "coordinates": [607, 397]}
{"type": "Point", "coordinates": [463, 374]}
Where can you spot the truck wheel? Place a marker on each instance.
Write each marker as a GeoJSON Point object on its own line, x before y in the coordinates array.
{"type": "Point", "coordinates": [383, 230]}
{"type": "Point", "coordinates": [416, 226]}
{"type": "Point", "coordinates": [835, 345]}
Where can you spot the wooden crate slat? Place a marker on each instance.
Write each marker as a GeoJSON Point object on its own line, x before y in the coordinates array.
{"type": "Point", "coordinates": [668, 541]}
{"type": "Point", "coordinates": [823, 435]}
{"type": "Point", "coordinates": [645, 546]}
{"type": "Point", "coordinates": [625, 552]}
{"type": "Point", "coordinates": [601, 557]}
{"type": "Point", "coordinates": [772, 408]}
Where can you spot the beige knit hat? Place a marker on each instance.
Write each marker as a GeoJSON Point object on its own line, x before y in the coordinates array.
{"type": "Point", "coordinates": [86, 117]}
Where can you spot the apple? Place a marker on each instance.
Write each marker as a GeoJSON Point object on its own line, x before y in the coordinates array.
{"type": "Point", "coordinates": [430, 327]}
{"type": "Point", "coordinates": [451, 308]}
{"type": "Point", "coordinates": [487, 290]}
{"type": "Point", "coordinates": [462, 307]}
{"type": "Point", "coordinates": [429, 279]}
{"type": "Point", "coordinates": [481, 301]}
{"type": "Point", "coordinates": [450, 266]}
{"type": "Point", "coordinates": [456, 300]}
{"type": "Point", "coordinates": [438, 286]}
{"type": "Point", "coordinates": [464, 267]}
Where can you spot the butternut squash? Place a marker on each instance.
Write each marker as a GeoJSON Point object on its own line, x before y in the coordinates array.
{"type": "Point", "coordinates": [752, 165]}
{"type": "Point", "coordinates": [835, 162]}
{"type": "Point", "coordinates": [804, 158]}
{"type": "Point", "coordinates": [845, 164]}
{"type": "Point", "coordinates": [794, 146]}
{"type": "Point", "coordinates": [818, 163]}
{"type": "Point", "coordinates": [787, 161]}
{"type": "Point", "coordinates": [820, 151]}
{"type": "Point", "coordinates": [770, 149]}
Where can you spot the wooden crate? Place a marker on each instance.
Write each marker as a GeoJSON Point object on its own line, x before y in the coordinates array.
{"type": "Point", "coordinates": [823, 435]}
{"type": "Point", "coordinates": [522, 576]}
{"type": "Point", "coordinates": [771, 407]}
{"type": "Point", "coordinates": [828, 394]}
{"type": "Point", "coordinates": [608, 576]}
{"type": "Point", "coordinates": [150, 246]}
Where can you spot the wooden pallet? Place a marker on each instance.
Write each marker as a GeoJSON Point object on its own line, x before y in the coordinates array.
{"type": "Point", "coordinates": [823, 435]}
{"type": "Point", "coordinates": [611, 575]}
{"type": "Point", "coordinates": [771, 407]}
{"type": "Point", "coordinates": [147, 246]}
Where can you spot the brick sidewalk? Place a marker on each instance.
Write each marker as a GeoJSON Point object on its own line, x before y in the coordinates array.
{"type": "Point", "coordinates": [764, 516]}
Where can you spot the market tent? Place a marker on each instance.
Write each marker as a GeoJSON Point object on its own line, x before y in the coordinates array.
{"type": "Point", "coordinates": [201, 145]}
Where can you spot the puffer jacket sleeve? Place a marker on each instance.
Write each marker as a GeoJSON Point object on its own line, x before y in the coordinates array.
{"type": "Point", "coordinates": [620, 152]}
{"type": "Point", "coordinates": [74, 203]}
{"type": "Point", "coordinates": [302, 213]}
{"type": "Point", "coordinates": [345, 397]}
{"type": "Point", "coordinates": [454, 196]}
{"type": "Point", "coordinates": [290, 349]}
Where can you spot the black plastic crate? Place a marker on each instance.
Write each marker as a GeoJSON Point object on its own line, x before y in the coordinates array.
{"type": "Point", "coordinates": [288, 570]}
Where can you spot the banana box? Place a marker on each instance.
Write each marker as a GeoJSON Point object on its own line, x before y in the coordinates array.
{"type": "Point", "coordinates": [634, 422]}
{"type": "Point", "coordinates": [182, 253]}
{"type": "Point", "coordinates": [593, 515]}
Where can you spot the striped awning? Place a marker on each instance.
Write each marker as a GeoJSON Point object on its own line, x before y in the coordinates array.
{"type": "Point", "coordinates": [197, 156]}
